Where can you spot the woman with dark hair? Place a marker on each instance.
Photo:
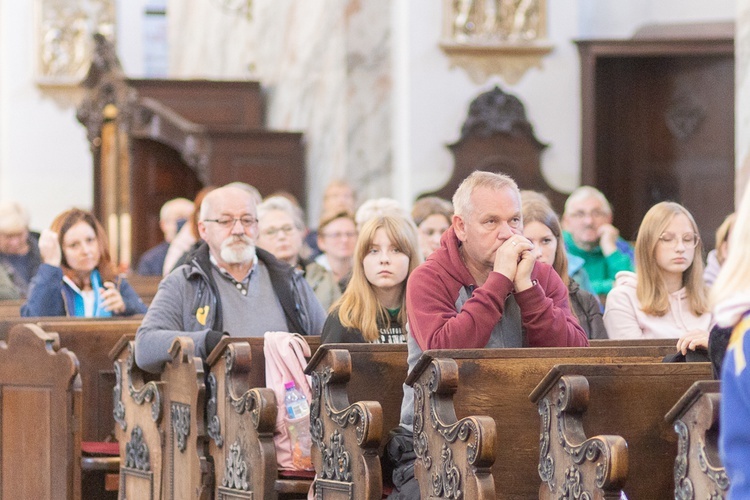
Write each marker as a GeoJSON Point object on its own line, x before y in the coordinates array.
{"type": "Point", "coordinates": [542, 227]}
{"type": "Point", "coordinates": [77, 277]}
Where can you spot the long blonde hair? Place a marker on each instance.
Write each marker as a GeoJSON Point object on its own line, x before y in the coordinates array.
{"type": "Point", "coordinates": [358, 306]}
{"type": "Point", "coordinates": [734, 277]}
{"type": "Point", "coordinates": [651, 289]}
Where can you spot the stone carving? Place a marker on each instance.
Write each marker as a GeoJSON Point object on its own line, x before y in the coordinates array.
{"type": "Point", "coordinates": [119, 408]}
{"type": "Point", "coordinates": [181, 424]}
{"type": "Point", "coordinates": [214, 425]}
{"type": "Point", "coordinates": [64, 32]}
{"type": "Point", "coordinates": [493, 20]}
{"type": "Point", "coordinates": [488, 37]}
{"type": "Point", "coordinates": [235, 473]}
{"type": "Point", "coordinates": [136, 451]}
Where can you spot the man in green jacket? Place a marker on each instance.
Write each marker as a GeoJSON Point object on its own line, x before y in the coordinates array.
{"type": "Point", "coordinates": [589, 234]}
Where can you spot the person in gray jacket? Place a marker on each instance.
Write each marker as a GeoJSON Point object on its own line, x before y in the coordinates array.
{"type": "Point", "coordinates": [227, 287]}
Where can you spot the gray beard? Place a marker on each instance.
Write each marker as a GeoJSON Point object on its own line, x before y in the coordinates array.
{"type": "Point", "coordinates": [237, 254]}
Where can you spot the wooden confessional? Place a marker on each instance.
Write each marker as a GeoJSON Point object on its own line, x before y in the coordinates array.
{"type": "Point", "coordinates": [154, 140]}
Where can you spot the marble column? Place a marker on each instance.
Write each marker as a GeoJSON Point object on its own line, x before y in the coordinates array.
{"type": "Point", "coordinates": [742, 98]}
{"type": "Point", "coordinates": [326, 67]}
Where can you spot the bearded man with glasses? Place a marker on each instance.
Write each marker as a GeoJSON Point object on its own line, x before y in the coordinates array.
{"type": "Point", "coordinates": [228, 287]}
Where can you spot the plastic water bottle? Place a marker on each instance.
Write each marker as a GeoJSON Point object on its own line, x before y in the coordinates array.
{"type": "Point", "coordinates": [298, 415]}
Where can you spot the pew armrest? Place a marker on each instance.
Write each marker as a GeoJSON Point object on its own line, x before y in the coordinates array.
{"type": "Point", "coordinates": [451, 453]}
{"type": "Point", "coordinates": [345, 436]}
{"type": "Point", "coordinates": [568, 460]}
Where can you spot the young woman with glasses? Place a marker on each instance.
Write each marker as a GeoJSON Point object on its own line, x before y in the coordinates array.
{"type": "Point", "coordinates": [667, 298]}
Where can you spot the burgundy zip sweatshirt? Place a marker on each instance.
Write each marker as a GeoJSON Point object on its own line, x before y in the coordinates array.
{"type": "Point", "coordinates": [433, 290]}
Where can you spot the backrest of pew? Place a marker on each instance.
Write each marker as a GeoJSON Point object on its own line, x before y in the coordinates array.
{"type": "Point", "coordinates": [40, 417]}
{"type": "Point", "coordinates": [497, 382]}
{"type": "Point", "coordinates": [10, 308]}
{"type": "Point", "coordinates": [630, 400]}
{"type": "Point", "coordinates": [256, 377]}
{"type": "Point", "coordinates": [91, 340]}
{"type": "Point", "coordinates": [634, 343]}
{"type": "Point", "coordinates": [145, 286]}
{"type": "Point", "coordinates": [7, 323]}
{"type": "Point", "coordinates": [378, 374]}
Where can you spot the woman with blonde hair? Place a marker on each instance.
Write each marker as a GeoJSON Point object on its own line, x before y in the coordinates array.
{"type": "Point", "coordinates": [77, 277]}
{"type": "Point", "coordinates": [542, 227]}
{"type": "Point", "coordinates": [667, 298]}
{"type": "Point", "coordinates": [373, 307]}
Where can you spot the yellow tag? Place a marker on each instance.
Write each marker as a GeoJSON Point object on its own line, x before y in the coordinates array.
{"type": "Point", "coordinates": [201, 314]}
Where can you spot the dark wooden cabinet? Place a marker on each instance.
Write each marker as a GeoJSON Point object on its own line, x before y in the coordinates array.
{"type": "Point", "coordinates": [658, 122]}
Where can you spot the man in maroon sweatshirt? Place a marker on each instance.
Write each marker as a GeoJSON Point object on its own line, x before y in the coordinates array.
{"type": "Point", "coordinates": [482, 288]}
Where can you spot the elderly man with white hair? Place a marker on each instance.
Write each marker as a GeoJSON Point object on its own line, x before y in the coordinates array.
{"type": "Point", "coordinates": [19, 249]}
{"type": "Point", "coordinates": [228, 287]}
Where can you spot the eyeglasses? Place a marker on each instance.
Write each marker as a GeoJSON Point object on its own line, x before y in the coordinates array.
{"type": "Point", "coordinates": [228, 222]}
{"type": "Point", "coordinates": [340, 235]}
{"type": "Point", "coordinates": [690, 240]}
{"type": "Point", "coordinates": [594, 214]}
{"type": "Point", "coordinates": [273, 231]}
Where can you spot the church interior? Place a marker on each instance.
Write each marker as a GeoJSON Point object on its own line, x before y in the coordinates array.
{"type": "Point", "coordinates": [117, 106]}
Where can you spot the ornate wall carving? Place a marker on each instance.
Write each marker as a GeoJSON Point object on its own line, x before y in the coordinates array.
{"type": "Point", "coordinates": [63, 32]}
{"type": "Point", "coordinates": [486, 37]}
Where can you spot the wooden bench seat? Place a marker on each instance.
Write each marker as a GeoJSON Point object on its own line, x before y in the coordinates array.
{"type": "Point", "coordinates": [622, 406]}
{"type": "Point", "coordinates": [698, 472]}
{"type": "Point", "coordinates": [357, 393]}
{"type": "Point", "coordinates": [495, 456]}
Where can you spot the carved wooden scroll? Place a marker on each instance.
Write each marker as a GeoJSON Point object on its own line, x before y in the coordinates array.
{"type": "Point", "coordinates": [345, 436]}
{"type": "Point", "coordinates": [698, 472]}
{"type": "Point", "coordinates": [138, 413]}
{"type": "Point", "coordinates": [188, 473]}
{"type": "Point", "coordinates": [453, 456]}
{"type": "Point", "coordinates": [571, 465]}
{"type": "Point", "coordinates": [241, 423]}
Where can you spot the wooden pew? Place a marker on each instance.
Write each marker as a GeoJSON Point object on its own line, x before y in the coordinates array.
{"type": "Point", "coordinates": [241, 422]}
{"type": "Point", "coordinates": [40, 417]}
{"type": "Point", "coordinates": [10, 308]}
{"type": "Point", "coordinates": [474, 455]}
{"type": "Point", "coordinates": [371, 375]}
{"type": "Point", "coordinates": [139, 413]}
{"type": "Point", "coordinates": [698, 472]}
{"type": "Point", "coordinates": [623, 407]}
{"type": "Point", "coordinates": [145, 286]}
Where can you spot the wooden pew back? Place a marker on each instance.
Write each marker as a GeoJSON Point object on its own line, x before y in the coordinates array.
{"type": "Point", "coordinates": [627, 400]}
{"type": "Point", "coordinates": [698, 470]}
{"type": "Point", "coordinates": [497, 383]}
{"type": "Point", "coordinates": [40, 417]}
{"type": "Point", "coordinates": [139, 412]}
{"type": "Point", "coordinates": [357, 393]}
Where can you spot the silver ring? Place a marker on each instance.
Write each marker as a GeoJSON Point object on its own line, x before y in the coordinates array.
{"type": "Point", "coordinates": [514, 243]}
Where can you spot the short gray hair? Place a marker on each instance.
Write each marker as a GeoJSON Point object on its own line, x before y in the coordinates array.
{"type": "Point", "coordinates": [284, 205]}
{"type": "Point", "coordinates": [584, 193]}
{"type": "Point", "coordinates": [477, 179]}
{"type": "Point", "coordinates": [13, 217]}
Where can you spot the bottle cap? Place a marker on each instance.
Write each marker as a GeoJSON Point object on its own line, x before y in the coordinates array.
{"type": "Point", "coordinates": [289, 385]}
